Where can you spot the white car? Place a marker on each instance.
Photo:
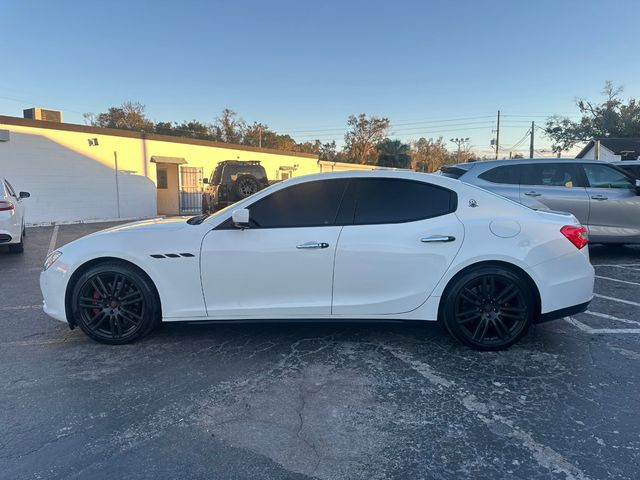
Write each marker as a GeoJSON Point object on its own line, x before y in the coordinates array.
{"type": "Point", "coordinates": [12, 231]}
{"type": "Point", "coordinates": [379, 245]}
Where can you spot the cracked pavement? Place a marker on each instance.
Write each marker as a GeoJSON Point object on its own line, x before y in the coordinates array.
{"type": "Point", "coordinates": [325, 401]}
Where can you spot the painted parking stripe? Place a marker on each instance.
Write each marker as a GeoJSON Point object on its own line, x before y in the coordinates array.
{"type": "Point", "coordinates": [614, 299]}
{"type": "Point", "coordinates": [54, 239]}
{"type": "Point", "coordinates": [597, 331]}
{"type": "Point", "coordinates": [611, 317]}
{"type": "Point", "coordinates": [20, 307]}
{"type": "Point", "coordinates": [625, 267]}
{"type": "Point", "coordinates": [617, 280]}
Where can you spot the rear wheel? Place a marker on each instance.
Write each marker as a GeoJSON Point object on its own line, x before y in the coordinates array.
{"type": "Point", "coordinates": [489, 308]}
{"type": "Point", "coordinates": [115, 304]}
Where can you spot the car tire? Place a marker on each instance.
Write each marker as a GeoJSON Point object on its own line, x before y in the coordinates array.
{"type": "Point", "coordinates": [245, 186]}
{"type": "Point", "coordinates": [488, 308]}
{"type": "Point", "coordinates": [115, 303]}
{"type": "Point", "coordinates": [18, 247]}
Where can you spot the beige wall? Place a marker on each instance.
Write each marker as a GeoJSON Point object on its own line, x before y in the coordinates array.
{"type": "Point", "coordinates": [71, 180]}
{"type": "Point", "coordinates": [169, 198]}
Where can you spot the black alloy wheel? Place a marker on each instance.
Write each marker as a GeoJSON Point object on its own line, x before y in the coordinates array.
{"type": "Point", "coordinates": [246, 186]}
{"type": "Point", "coordinates": [490, 308]}
{"type": "Point", "coordinates": [115, 304]}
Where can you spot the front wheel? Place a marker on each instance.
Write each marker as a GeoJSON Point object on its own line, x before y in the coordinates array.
{"type": "Point", "coordinates": [489, 308]}
{"type": "Point", "coordinates": [115, 303]}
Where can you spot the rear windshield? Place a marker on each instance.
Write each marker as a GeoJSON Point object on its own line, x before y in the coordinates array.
{"type": "Point", "coordinates": [452, 172]}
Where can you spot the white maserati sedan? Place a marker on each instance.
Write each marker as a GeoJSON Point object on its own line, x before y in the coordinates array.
{"type": "Point", "coordinates": [378, 245]}
{"type": "Point", "coordinates": [12, 231]}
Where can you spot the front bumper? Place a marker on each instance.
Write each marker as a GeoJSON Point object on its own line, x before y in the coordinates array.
{"type": "Point", "coordinates": [53, 284]}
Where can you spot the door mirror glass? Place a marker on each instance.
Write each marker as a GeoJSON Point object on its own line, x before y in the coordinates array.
{"type": "Point", "coordinates": [240, 218]}
{"type": "Point", "coordinates": [25, 194]}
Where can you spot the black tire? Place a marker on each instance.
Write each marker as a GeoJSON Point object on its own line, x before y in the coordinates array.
{"type": "Point", "coordinates": [100, 295]}
{"type": "Point", "coordinates": [489, 308]}
{"type": "Point", "coordinates": [205, 206]}
{"type": "Point", "coordinates": [18, 247]}
{"type": "Point", "coordinates": [245, 186]}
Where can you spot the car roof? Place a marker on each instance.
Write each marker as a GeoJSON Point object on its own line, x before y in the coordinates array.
{"type": "Point", "coordinates": [618, 163]}
{"type": "Point", "coordinates": [470, 165]}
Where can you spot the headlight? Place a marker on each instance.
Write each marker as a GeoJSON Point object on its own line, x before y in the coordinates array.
{"type": "Point", "coordinates": [51, 259]}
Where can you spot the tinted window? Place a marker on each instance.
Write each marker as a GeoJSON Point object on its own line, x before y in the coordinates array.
{"type": "Point", "coordinates": [10, 189]}
{"type": "Point", "coordinates": [452, 172]}
{"type": "Point", "coordinates": [505, 174]}
{"type": "Point", "coordinates": [551, 175]}
{"type": "Point", "coordinates": [386, 200]}
{"type": "Point", "coordinates": [633, 170]}
{"type": "Point", "coordinates": [305, 205]}
{"type": "Point", "coordinates": [602, 176]}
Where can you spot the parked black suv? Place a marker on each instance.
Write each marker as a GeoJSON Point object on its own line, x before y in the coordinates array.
{"type": "Point", "coordinates": [231, 181]}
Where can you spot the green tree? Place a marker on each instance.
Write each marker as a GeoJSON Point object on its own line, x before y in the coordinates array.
{"type": "Point", "coordinates": [128, 116]}
{"type": "Point", "coordinates": [393, 153]}
{"type": "Point", "coordinates": [328, 151]}
{"type": "Point", "coordinates": [228, 128]}
{"type": "Point", "coordinates": [428, 155]}
{"type": "Point", "coordinates": [363, 135]}
{"type": "Point", "coordinates": [613, 117]}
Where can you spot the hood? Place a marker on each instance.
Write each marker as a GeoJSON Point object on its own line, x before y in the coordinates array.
{"type": "Point", "coordinates": [154, 224]}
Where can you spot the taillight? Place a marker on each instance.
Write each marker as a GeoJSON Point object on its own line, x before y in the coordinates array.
{"type": "Point", "coordinates": [4, 206]}
{"type": "Point", "coordinates": [576, 234]}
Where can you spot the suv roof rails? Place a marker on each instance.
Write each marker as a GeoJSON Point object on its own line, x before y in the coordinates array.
{"type": "Point", "coordinates": [239, 162]}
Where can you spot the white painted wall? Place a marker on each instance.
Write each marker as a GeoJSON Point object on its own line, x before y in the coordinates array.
{"type": "Point", "coordinates": [70, 185]}
{"type": "Point", "coordinates": [605, 154]}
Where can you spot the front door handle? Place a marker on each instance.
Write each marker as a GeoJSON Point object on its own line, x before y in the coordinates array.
{"type": "Point", "coordinates": [437, 238]}
{"type": "Point", "coordinates": [599, 197]}
{"type": "Point", "coordinates": [312, 245]}
{"type": "Point", "coordinates": [533, 194]}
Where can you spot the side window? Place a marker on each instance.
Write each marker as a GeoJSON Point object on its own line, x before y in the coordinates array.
{"type": "Point", "coordinates": [312, 204]}
{"type": "Point", "coordinates": [505, 174]}
{"type": "Point", "coordinates": [602, 176]}
{"type": "Point", "coordinates": [551, 175]}
{"type": "Point", "coordinates": [391, 200]}
{"type": "Point", "coordinates": [10, 189]}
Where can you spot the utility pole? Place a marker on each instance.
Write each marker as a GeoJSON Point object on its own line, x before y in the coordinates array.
{"type": "Point", "coordinates": [459, 142]}
{"type": "Point", "coordinates": [260, 137]}
{"type": "Point", "coordinates": [533, 125]}
{"type": "Point", "coordinates": [498, 135]}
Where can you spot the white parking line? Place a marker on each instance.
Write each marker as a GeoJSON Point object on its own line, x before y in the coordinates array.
{"type": "Point", "coordinates": [54, 239]}
{"type": "Point", "coordinates": [596, 331]}
{"type": "Point", "coordinates": [20, 307]}
{"type": "Point", "coordinates": [611, 317]}
{"type": "Point", "coordinates": [634, 267]}
{"type": "Point", "coordinates": [616, 280]}
{"type": "Point", "coordinates": [614, 299]}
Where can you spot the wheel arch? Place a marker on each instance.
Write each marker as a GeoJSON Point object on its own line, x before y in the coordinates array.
{"type": "Point", "coordinates": [493, 263]}
{"type": "Point", "coordinates": [97, 261]}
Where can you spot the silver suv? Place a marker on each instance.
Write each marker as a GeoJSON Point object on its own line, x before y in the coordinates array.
{"type": "Point", "coordinates": [603, 197]}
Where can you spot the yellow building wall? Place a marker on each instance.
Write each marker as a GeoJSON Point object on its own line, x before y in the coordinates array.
{"type": "Point", "coordinates": [71, 180]}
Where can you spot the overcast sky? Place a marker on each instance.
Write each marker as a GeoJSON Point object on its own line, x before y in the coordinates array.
{"type": "Point", "coordinates": [433, 67]}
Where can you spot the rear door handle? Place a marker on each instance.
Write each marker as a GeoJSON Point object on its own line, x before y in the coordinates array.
{"type": "Point", "coordinates": [437, 238]}
{"type": "Point", "coordinates": [599, 197]}
{"type": "Point", "coordinates": [312, 245]}
{"type": "Point", "coordinates": [533, 194]}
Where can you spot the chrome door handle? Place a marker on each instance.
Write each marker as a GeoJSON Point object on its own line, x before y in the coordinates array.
{"type": "Point", "coordinates": [599, 197]}
{"type": "Point", "coordinates": [533, 194]}
{"type": "Point", "coordinates": [312, 245]}
{"type": "Point", "coordinates": [437, 238]}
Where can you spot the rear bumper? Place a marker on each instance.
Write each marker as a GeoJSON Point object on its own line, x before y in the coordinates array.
{"type": "Point", "coordinates": [563, 312]}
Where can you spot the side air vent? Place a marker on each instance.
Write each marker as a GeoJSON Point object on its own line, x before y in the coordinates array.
{"type": "Point", "coordinates": [172, 255]}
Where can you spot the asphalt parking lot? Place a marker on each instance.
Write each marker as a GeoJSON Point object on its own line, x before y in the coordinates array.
{"type": "Point", "coordinates": [333, 401]}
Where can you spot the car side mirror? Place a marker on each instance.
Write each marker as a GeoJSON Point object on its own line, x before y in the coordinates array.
{"type": "Point", "coordinates": [27, 194]}
{"type": "Point", "coordinates": [240, 218]}
{"type": "Point", "coordinates": [205, 181]}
